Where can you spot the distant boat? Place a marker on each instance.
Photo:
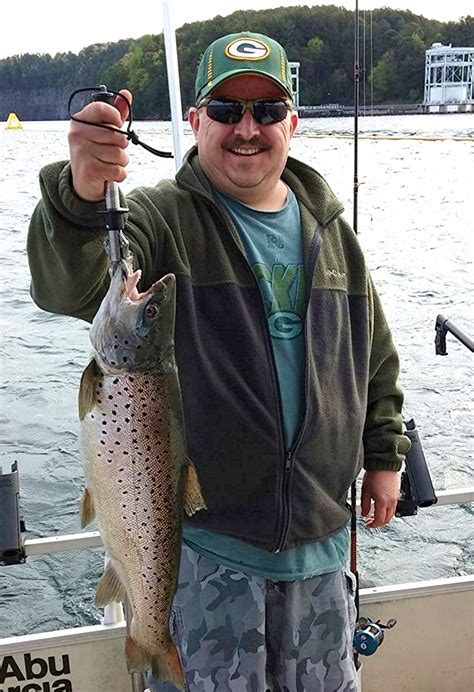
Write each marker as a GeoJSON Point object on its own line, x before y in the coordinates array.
{"type": "Point", "coordinates": [13, 122]}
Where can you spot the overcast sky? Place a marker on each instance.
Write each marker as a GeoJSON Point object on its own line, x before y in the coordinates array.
{"type": "Point", "coordinates": [56, 26]}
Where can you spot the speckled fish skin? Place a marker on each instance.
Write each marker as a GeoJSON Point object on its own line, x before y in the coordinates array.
{"type": "Point", "coordinates": [138, 476]}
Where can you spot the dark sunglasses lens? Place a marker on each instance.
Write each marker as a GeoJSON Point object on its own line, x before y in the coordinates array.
{"type": "Point", "coordinates": [229, 112]}
{"type": "Point", "coordinates": [266, 112]}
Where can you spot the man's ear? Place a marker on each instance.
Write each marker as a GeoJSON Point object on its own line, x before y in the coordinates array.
{"type": "Point", "coordinates": [193, 118]}
{"type": "Point", "coordinates": [293, 122]}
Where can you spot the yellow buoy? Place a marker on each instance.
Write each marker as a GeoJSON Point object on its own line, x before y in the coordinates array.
{"type": "Point", "coordinates": [13, 122]}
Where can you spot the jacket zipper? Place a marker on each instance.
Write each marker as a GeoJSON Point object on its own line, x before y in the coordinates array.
{"type": "Point", "coordinates": [286, 483]}
{"type": "Point", "coordinates": [291, 453]}
{"type": "Point", "coordinates": [285, 499]}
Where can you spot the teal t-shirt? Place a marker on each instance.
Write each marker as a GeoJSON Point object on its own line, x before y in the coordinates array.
{"type": "Point", "coordinates": [274, 249]}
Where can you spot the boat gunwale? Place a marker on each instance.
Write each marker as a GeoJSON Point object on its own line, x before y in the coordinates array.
{"type": "Point", "coordinates": [378, 594]}
{"type": "Point", "coordinates": [92, 539]}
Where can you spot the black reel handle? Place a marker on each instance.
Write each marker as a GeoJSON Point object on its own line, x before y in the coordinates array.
{"type": "Point", "coordinates": [105, 95]}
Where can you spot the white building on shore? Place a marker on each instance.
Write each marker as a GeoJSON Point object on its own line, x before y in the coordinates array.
{"type": "Point", "coordinates": [449, 74]}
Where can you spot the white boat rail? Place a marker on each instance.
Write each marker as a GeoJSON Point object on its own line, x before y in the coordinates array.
{"type": "Point", "coordinates": [92, 539]}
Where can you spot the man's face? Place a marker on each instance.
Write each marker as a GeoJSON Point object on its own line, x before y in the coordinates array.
{"type": "Point", "coordinates": [245, 160]}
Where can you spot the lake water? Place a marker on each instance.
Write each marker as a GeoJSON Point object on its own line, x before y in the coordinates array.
{"type": "Point", "coordinates": [416, 227]}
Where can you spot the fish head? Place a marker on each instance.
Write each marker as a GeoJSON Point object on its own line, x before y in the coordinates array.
{"type": "Point", "coordinates": [134, 331]}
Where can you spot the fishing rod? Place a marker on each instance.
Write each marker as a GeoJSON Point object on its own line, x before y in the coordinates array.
{"type": "Point", "coordinates": [172, 69]}
{"type": "Point", "coordinates": [368, 634]}
{"type": "Point", "coordinates": [353, 493]}
{"type": "Point", "coordinates": [356, 113]}
{"type": "Point", "coordinates": [416, 486]}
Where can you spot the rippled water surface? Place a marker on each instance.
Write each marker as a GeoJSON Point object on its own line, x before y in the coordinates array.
{"type": "Point", "coordinates": [416, 227]}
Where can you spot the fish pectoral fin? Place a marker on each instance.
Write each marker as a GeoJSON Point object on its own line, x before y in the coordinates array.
{"type": "Point", "coordinates": [138, 660]}
{"type": "Point", "coordinates": [87, 511]}
{"type": "Point", "coordinates": [193, 499]}
{"type": "Point", "coordinates": [109, 588]}
{"type": "Point", "coordinates": [168, 667]}
{"type": "Point", "coordinates": [88, 388]}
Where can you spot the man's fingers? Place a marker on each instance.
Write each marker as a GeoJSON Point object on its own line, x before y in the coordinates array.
{"type": "Point", "coordinates": [376, 520]}
{"type": "Point", "coordinates": [383, 514]}
{"type": "Point", "coordinates": [365, 503]}
{"type": "Point", "coordinates": [110, 154]}
{"type": "Point", "coordinates": [121, 104]}
{"type": "Point", "coordinates": [101, 112]}
{"type": "Point", "coordinates": [96, 136]}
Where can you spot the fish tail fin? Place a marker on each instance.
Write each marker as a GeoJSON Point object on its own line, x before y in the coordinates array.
{"type": "Point", "coordinates": [87, 390]}
{"type": "Point", "coordinates": [87, 511]}
{"type": "Point", "coordinates": [168, 667]}
{"type": "Point", "coordinates": [109, 587]}
{"type": "Point", "coordinates": [193, 499]}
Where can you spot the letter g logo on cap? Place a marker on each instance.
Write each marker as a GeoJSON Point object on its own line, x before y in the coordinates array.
{"type": "Point", "coordinates": [247, 49]}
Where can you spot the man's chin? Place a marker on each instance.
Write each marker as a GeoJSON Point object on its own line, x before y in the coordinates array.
{"type": "Point", "coordinates": [245, 182]}
{"type": "Point", "coordinates": [246, 170]}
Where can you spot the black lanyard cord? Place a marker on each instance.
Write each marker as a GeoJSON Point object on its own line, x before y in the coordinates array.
{"type": "Point", "coordinates": [129, 133]}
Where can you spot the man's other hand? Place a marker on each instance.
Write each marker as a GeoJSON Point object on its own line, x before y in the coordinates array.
{"type": "Point", "coordinates": [383, 487]}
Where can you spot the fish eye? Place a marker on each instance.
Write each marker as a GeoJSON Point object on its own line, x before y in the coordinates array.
{"type": "Point", "coordinates": [151, 310]}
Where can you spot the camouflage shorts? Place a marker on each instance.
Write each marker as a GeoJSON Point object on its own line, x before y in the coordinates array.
{"type": "Point", "coordinates": [238, 633]}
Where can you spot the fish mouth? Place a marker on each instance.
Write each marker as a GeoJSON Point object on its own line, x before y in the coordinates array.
{"type": "Point", "coordinates": [131, 292]}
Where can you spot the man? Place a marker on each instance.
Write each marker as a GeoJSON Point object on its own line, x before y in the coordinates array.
{"type": "Point", "coordinates": [287, 367]}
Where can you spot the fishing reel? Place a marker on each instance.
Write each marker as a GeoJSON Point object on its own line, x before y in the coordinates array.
{"type": "Point", "coordinates": [369, 635]}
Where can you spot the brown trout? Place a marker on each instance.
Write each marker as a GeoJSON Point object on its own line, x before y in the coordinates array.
{"type": "Point", "coordinates": [138, 476]}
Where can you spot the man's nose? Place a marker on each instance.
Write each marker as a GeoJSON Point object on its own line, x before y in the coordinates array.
{"type": "Point", "coordinates": [247, 127]}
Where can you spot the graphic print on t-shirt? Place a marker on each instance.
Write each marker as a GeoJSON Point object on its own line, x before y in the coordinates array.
{"type": "Point", "coordinates": [283, 290]}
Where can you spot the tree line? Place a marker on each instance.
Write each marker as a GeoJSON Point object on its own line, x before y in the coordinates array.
{"type": "Point", "coordinates": [321, 39]}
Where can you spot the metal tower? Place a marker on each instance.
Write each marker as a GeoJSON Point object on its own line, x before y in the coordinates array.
{"type": "Point", "coordinates": [295, 78]}
{"type": "Point", "coordinates": [449, 74]}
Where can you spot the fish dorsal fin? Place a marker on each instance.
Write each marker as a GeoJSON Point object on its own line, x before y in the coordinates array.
{"type": "Point", "coordinates": [87, 391]}
{"type": "Point", "coordinates": [193, 499]}
{"type": "Point", "coordinates": [109, 587]}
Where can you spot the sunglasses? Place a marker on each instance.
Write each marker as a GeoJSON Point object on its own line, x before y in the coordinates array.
{"type": "Point", "coordinates": [231, 111]}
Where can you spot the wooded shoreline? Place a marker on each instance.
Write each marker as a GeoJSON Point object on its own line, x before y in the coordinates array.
{"type": "Point", "coordinates": [321, 39]}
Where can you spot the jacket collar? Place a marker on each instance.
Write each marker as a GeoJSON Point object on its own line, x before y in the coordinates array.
{"type": "Point", "coordinates": [308, 185]}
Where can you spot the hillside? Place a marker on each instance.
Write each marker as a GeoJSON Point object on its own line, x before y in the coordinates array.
{"type": "Point", "coordinates": [393, 44]}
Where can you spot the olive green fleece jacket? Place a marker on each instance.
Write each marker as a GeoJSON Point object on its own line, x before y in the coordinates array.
{"type": "Point", "coordinates": [254, 489]}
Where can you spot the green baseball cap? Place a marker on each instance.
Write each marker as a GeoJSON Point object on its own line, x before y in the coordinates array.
{"type": "Point", "coordinates": [244, 53]}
